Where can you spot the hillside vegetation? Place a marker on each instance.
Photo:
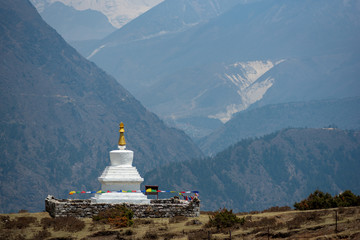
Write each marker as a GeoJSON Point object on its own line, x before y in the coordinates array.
{"type": "Point", "coordinates": [276, 169]}
{"type": "Point", "coordinates": [268, 224]}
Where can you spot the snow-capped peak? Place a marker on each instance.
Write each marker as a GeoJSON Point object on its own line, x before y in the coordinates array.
{"type": "Point", "coordinates": [244, 76]}
{"type": "Point", "coordinates": [119, 12]}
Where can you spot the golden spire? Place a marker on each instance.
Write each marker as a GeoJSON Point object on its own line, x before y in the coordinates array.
{"type": "Point", "coordinates": [122, 137]}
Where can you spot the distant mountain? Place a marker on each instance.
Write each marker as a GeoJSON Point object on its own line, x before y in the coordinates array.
{"type": "Point", "coordinates": [275, 170]}
{"type": "Point", "coordinates": [263, 52]}
{"type": "Point", "coordinates": [74, 25]}
{"type": "Point", "coordinates": [256, 122]}
{"type": "Point", "coordinates": [59, 116]}
{"type": "Point", "coordinates": [119, 12]}
{"type": "Point", "coordinates": [169, 17]}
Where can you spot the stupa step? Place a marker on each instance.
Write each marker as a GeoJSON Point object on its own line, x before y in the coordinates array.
{"type": "Point", "coordinates": [135, 175]}
{"type": "Point", "coordinates": [113, 179]}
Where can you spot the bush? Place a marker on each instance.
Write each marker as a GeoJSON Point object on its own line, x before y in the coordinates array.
{"type": "Point", "coordinates": [119, 216]}
{"type": "Point", "coordinates": [224, 218]}
{"type": "Point", "coordinates": [4, 219]}
{"type": "Point", "coordinates": [69, 224]}
{"type": "Point", "coordinates": [42, 235]}
{"type": "Point", "coordinates": [278, 209]}
{"type": "Point", "coordinates": [46, 222]}
{"type": "Point", "coordinates": [347, 199]}
{"type": "Point", "coordinates": [316, 200]}
{"type": "Point", "coordinates": [150, 235]}
{"type": "Point", "coordinates": [197, 235]}
{"type": "Point", "coordinates": [320, 200]}
{"type": "Point", "coordinates": [128, 232]}
{"type": "Point", "coordinates": [193, 222]}
{"type": "Point", "coordinates": [104, 233]}
{"type": "Point", "coordinates": [20, 222]}
{"type": "Point", "coordinates": [302, 218]}
{"type": "Point", "coordinates": [139, 222]}
{"type": "Point", "coordinates": [263, 222]}
{"type": "Point", "coordinates": [177, 219]}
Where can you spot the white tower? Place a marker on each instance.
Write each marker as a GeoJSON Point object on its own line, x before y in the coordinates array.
{"type": "Point", "coordinates": [120, 177]}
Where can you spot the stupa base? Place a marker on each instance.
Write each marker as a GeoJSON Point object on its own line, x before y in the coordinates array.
{"type": "Point", "coordinates": [115, 198]}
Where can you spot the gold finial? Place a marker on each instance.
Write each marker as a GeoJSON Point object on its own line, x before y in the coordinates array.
{"type": "Point", "coordinates": [122, 137]}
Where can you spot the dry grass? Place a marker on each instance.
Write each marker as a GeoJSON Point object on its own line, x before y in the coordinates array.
{"type": "Point", "coordinates": [317, 224]}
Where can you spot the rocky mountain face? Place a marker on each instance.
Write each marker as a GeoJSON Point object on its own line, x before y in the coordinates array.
{"type": "Point", "coordinates": [74, 25]}
{"type": "Point", "coordinates": [258, 121]}
{"type": "Point", "coordinates": [262, 52]}
{"type": "Point", "coordinates": [119, 12]}
{"type": "Point", "coordinates": [169, 17]}
{"type": "Point", "coordinates": [83, 23]}
{"type": "Point", "coordinates": [275, 170]}
{"type": "Point", "coordinates": [60, 116]}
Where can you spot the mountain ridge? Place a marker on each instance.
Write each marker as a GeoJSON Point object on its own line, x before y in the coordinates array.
{"type": "Point", "coordinates": [118, 12]}
{"type": "Point", "coordinates": [180, 76]}
{"type": "Point", "coordinates": [273, 170]}
{"type": "Point", "coordinates": [260, 120]}
{"type": "Point", "coordinates": [76, 25]}
{"type": "Point", "coordinates": [60, 116]}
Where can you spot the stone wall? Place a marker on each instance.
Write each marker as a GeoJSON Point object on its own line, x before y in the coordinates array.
{"type": "Point", "coordinates": [163, 208]}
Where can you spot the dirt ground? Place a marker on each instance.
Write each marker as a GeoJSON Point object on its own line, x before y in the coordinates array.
{"type": "Point", "coordinates": [337, 223]}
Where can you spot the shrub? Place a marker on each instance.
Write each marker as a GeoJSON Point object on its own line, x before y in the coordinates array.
{"type": "Point", "coordinates": [20, 222]}
{"type": "Point", "coordinates": [224, 218]}
{"type": "Point", "coordinates": [302, 218]}
{"type": "Point", "coordinates": [278, 209]}
{"type": "Point", "coordinates": [128, 232]}
{"type": "Point", "coordinates": [104, 233]}
{"type": "Point", "coordinates": [42, 235]}
{"type": "Point", "coordinates": [316, 200]}
{"type": "Point", "coordinates": [347, 199]}
{"type": "Point", "coordinates": [168, 236]}
{"type": "Point", "coordinates": [150, 235]}
{"type": "Point", "coordinates": [119, 216]}
{"type": "Point", "coordinates": [177, 219]}
{"type": "Point", "coordinates": [4, 219]}
{"type": "Point", "coordinates": [143, 222]}
{"type": "Point", "coordinates": [193, 222]}
{"type": "Point", "coordinates": [46, 222]}
{"type": "Point", "coordinates": [200, 234]}
{"type": "Point", "coordinates": [320, 200]}
{"type": "Point", "coordinates": [263, 222]}
{"type": "Point", "coordinates": [69, 224]}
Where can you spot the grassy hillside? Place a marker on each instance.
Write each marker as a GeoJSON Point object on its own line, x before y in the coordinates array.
{"type": "Point", "coordinates": [268, 224]}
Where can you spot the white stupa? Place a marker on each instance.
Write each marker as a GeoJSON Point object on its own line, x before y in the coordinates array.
{"type": "Point", "coordinates": [120, 177]}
